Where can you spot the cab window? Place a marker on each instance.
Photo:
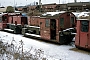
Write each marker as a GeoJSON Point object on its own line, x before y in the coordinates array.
{"type": "Point", "coordinates": [62, 22]}
{"type": "Point", "coordinates": [47, 23]}
{"type": "Point", "coordinates": [4, 18]}
{"type": "Point", "coordinates": [72, 20]}
{"type": "Point", "coordinates": [0, 19]}
{"type": "Point", "coordinates": [84, 26]}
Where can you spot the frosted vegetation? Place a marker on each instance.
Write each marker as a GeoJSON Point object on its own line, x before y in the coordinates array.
{"type": "Point", "coordinates": [15, 51]}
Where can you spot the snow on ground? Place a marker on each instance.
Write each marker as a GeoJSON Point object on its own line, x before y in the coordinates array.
{"type": "Point", "coordinates": [51, 50]}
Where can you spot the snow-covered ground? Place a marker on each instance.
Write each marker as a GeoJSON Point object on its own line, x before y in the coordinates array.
{"type": "Point", "coordinates": [51, 50]}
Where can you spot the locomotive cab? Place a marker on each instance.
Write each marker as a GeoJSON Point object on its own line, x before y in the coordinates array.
{"type": "Point", "coordinates": [82, 38]}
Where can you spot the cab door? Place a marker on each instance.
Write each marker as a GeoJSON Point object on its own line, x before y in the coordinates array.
{"type": "Point", "coordinates": [84, 33]}
{"type": "Point", "coordinates": [53, 29]}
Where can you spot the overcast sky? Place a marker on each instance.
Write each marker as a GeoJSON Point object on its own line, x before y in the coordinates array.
{"type": "Point", "coordinates": [25, 2]}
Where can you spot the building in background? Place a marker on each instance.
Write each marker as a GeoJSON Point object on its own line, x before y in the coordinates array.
{"type": "Point", "coordinates": [75, 6]}
{"type": "Point", "coordinates": [79, 6]}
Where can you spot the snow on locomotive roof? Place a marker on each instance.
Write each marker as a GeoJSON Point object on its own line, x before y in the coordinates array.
{"type": "Point", "coordinates": [13, 13]}
{"type": "Point", "coordinates": [52, 13]}
{"type": "Point", "coordinates": [83, 15]}
{"type": "Point", "coordinates": [1, 13]}
{"type": "Point", "coordinates": [76, 13]}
